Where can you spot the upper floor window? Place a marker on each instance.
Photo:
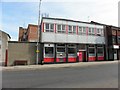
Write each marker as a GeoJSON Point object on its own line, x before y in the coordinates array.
{"type": "Point", "coordinates": [61, 29]}
{"type": "Point", "coordinates": [119, 39]}
{"type": "Point", "coordinates": [80, 30]}
{"type": "Point", "coordinates": [49, 27]}
{"type": "Point", "coordinates": [72, 29]}
{"type": "Point", "coordinates": [114, 39]}
{"type": "Point", "coordinates": [100, 32]}
{"type": "Point", "coordinates": [84, 30]}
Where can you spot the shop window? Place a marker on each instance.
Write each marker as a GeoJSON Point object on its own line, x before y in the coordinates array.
{"type": "Point", "coordinates": [71, 50]}
{"type": "Point", "coordinates": [91, 51]}
{"type": "Point", "coordinates": [100, 52]}
{"type": "Point", "coordinates": [60, 48]}
{"type": "Point", "coordinates": [49, 27]}
{"type": "Point", "coordinates": [49, 52]}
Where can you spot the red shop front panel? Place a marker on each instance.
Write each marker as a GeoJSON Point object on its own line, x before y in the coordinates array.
{"type": "Point", "coordinates": [91, 58]}
{"type": "Point", "coordinates": [100, 58]}
{"type": "Point", "coordinates": [48, 60]}
{"type": "Point", "coordinates": [71, 59]}
{"type": "Point", "coordinates": [60, 59]}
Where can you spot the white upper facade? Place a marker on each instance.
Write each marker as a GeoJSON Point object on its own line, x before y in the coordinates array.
{"type": "Point", "coordinates": [68, 31]}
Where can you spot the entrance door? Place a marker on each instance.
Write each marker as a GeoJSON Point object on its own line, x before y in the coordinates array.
{"type": "Point", "coordinates": [115, 54]}
{"type": "Point", "coordinates": [82, 56]}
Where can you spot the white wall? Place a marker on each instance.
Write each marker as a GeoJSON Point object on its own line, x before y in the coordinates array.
{"type": "Point", "coordinates": [71, 38]}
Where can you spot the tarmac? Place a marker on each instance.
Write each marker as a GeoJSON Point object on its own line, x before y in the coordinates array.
{"type": "Point", "coordinates": [53, 66]}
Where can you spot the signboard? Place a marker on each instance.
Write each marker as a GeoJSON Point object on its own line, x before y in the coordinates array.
{"type": "Point", "coordinates": [115, 46]}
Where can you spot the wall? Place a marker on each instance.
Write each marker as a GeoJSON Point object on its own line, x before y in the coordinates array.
{"type": "Point", "coordinates": [21, 51]}
{"type": "Point", "coordinates": [0, 46]}
{"type": "Point", "coordinates": [4, 45]}
{"type": "Point", "coordinates": [32, 33]}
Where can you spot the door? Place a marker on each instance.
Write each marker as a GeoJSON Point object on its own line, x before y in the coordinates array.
{"type": "Point", "coordinates": [115, 54]}
{"type": "Point", "coordinates": [82, 56]}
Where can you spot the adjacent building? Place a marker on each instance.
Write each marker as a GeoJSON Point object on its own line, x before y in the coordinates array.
{"type": "Point", "coordinates": [112, 41]}
{"type": "Point", "coordinates": [4, 38]}
{"type": "Point", "coordinates": [29, 34]}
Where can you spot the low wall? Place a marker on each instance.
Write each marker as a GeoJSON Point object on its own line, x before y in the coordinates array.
{"type": "Point", "coordinates": [21, 51]}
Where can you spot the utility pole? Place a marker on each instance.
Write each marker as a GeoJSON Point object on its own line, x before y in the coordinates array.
{"type": "Point", "coordinates": [37, 51]}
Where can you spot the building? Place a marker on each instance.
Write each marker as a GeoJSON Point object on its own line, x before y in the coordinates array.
{"type": "Point", "coordinates": [112, 41]}
{"type": "Point", "coordinates": [119, 14]}
{"type": "Point", "coordinates": [29, 34]}
{"type": "Point", "coordinates": [63, 40]}
{"type": "Point", "coordinates": [4, 38]}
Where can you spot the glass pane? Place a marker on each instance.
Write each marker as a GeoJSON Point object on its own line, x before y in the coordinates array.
{"type": "Point", "coordinates": [71, 51]}
{"type": "Point", "coordinates": [51, 26]}
{"type": "Point", "coordinates": [46, 26]}
{"type": "Point", "coordinates": [58, 27]}
{"type": "Point", "coordinates": [48, 50]}
{"type": "Point", "coordinates": [63, 27]}
{"type": "Point", "coordinates": [60, 49]}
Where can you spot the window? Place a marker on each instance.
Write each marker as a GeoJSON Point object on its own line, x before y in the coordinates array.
{"type": "Point", "coordinates": [114, 39]}
{"type": "Point", "coordinates": [100, 51]}
{"type": "Point", "coordinates": [61, 29]}
{"type": "Point", "coordinates": [72, 29]}
{"type": "Point", "coordinates": [90, 31]}
{"type": "Point", "coordinates": [119, 39]}
{"type": "Point", "coordinates": [91, 51]}
{"type": "Point", "coordinates": [98, 32]}
{"type": "Point", "coordinates": [49, 52]}
{"type": "Point", "coordinates": [102, 32]}
{"type": "Point", "coordinates": [49, 27]}
{"type": "Point", "coordinates": [84, 30]}
{"type": "Point", "coordinates": [71, 50]}
{"type": "Point", "coordinates": [60, 49]}
{"type": "Point", "coordinates": [46, 26]}
{"type": "Point", "coordinates": [93, 31]}
{"type": "Point", "coordinates": [80, 30]}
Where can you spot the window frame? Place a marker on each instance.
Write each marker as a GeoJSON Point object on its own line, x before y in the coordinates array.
{"type": "Point", "coordinates": [50, 29]}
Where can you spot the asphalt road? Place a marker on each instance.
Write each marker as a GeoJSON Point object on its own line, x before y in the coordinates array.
{"type": "Point", "coordinates": [97, 76]}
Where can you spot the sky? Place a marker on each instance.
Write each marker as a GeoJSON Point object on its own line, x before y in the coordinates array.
{"type": "Point", "coordinates": [20, 13]}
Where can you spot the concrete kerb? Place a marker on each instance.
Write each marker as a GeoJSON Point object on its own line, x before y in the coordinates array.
{"type": "Point", "coordinates": [49, 66]}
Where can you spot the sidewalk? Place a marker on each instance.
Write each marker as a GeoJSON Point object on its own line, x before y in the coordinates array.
{"type": "Point", "coordinates": [49, 66]}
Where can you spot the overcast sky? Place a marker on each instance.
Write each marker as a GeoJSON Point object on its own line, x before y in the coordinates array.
{"type": "Point", "coordinates": [23, 12]}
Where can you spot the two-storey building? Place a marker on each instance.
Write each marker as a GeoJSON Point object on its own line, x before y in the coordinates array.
{"type": "Point", "coordinates": [63, 40]}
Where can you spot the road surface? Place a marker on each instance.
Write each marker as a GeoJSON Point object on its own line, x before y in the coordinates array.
{"type": "Point", "coordinates": [96, 76]}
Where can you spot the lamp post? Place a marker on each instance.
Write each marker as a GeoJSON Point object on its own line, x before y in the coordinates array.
{"type": "Point", "coordinates": [37, 51]}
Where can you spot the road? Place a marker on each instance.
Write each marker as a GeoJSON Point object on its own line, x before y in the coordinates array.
{"type": "Point", "coordinates": [96, 76]}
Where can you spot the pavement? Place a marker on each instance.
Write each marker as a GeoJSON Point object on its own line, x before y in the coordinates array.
{"type": "Point", "coordinates": [49, 66]}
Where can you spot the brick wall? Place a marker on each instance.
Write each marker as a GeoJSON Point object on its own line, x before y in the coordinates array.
{"type": "Point", "coordinates": [32, 33]}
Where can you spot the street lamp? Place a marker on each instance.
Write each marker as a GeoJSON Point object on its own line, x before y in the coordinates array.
{"type": "Point", "coordinates": [37, 51]}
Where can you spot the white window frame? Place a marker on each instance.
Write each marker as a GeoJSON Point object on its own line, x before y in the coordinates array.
{"type": "Point", "coordinates": [61, 29]}
{"type": "Point", "coordinates": [49, 30]}
{"type": "Point", "coordinates": [72, 29]}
